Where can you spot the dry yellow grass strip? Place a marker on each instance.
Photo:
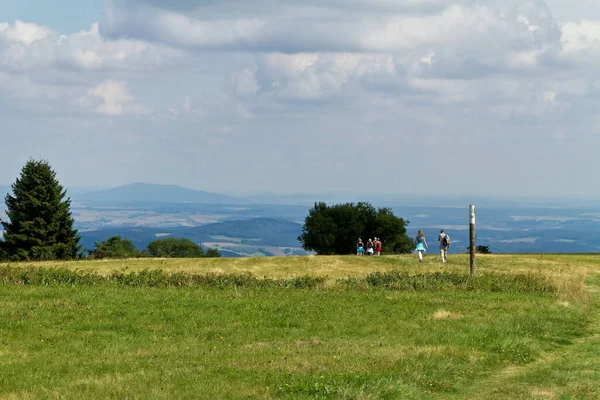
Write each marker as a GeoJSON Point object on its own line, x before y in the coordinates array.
{"type": "Point", "coordinates": [567, 272]}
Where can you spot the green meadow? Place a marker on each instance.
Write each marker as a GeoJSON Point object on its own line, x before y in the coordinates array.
{"type": "Point", "coordinates": [347, 327]}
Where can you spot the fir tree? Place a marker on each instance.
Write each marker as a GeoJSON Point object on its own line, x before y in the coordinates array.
{"type": "Point", "coordinates": [40, 226]}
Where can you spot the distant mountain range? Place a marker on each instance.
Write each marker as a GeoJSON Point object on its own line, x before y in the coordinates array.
{"type": "Point", "coordinates": [154, 193]}
{"type": "Point", "coordinates": [146, 193]}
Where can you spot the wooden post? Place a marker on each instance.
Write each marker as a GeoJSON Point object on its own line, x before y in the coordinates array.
{"type": "Point", "coordinates": [472, 247]}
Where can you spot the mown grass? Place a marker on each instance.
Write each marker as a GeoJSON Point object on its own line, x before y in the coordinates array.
{"type": "Point", "coordinates": [392, 329]}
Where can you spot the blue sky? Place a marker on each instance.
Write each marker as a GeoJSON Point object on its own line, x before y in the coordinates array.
{"type": "Point", "coordinates": [65, 16]}
{"type": "Point", "coordinates": [481, 97]}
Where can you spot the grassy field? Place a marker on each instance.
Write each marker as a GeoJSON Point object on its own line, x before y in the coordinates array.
{"type": "Point", "coordinates": [362, 328]}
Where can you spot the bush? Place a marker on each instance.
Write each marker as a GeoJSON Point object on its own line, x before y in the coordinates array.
{"type": "Point", "coordinates": [174, 248]}
{"type": "Point", "coordinates": [212, 253]}
{"type": "Point", "coordinates": [114, 247]}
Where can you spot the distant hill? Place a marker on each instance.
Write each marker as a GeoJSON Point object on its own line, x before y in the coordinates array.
{"type": "Point", "coordinates": [139, 237]}
{"type": "Point", "coordinates": [147, 192]}
{"type": "Point", "coordinates": [256, 231]}
{"type": "Point", "coordinates": [252, 235]}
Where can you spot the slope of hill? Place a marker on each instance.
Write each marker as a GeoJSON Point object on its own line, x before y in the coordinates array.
{"type": "Point", "coordinates": [259, 236]}
{"type": "Point", "coordinates": [139, 236]}
{"type": "Point", "coordinates": [266, 231]}
{"type": "Point", "coordinates": [146, 192]}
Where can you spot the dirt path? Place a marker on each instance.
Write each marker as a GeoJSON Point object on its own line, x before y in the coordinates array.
{"type": "Point", "coordinates": [573, 371]}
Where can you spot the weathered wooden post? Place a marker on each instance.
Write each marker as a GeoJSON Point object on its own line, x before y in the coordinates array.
{"type": "Point", "coordinates": [472, 247]}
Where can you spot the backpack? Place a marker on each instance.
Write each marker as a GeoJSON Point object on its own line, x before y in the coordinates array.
{"type": "Point", "coordinates": [369, 245]}
{"type": "Point", "coordinates": [446, 241]}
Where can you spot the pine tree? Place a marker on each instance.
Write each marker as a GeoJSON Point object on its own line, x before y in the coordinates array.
{"type": "Point", "coordinates": [41, 226]}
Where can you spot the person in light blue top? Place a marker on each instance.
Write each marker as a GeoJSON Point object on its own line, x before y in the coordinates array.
{"type": "Point", "coordinates": [360, 247]}
{"type": "Point", "coordinates": [422, 246]}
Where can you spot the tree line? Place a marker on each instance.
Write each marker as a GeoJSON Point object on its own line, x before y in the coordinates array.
{"type": "Point", "coordinates": [117, 247]}
{"type": "Point", "coordinates": [40, 226]}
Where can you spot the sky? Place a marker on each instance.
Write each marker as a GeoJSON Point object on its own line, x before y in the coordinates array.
{"type": "Point", "coordinates": [460, 97]}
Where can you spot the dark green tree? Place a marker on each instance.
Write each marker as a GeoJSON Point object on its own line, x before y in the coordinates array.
{"type": "Point", "coordinates": [40, 225]}
{"type": "Point", "coordinates": [212, 253]}
{"type": "Point", "coordinates": [114, 247]}
{"type": "Point", "coordinates": [336, 229]}
{"type": "Point", "coordinates": [174, 248]}
{"type": "Point", "coordinates": [392, 231]}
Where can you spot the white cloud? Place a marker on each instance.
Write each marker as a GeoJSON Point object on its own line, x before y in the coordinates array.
{"type": "Point", "coordinates": [427, 80]}
{"type": "Point", "coordinates": [177, 28]}
{"type": "Point", "coordinates": [550, 96]}
{"type": "Point", "coordinates": [45, 70]}
{"type": "Point", "coordinates": [334, 26]}
{"type": "Point", "coordinates": [28, 46]}
{"type": "Point", "coordinates": [189, 108]}
{"type": "Point", "coordinates": [524, 59]}
{"type": "Point", "coordinates": [524, 20]}
{"type": "Point", "coordinates": [22, 32]}
{"type": "Point", "coordinates": [411, 32]}
{"type": "Point", "coordinates": [580, 37]}
{"type": "Point", "coordinates": [112, 98]}
{"type": "Point", "coordinates": [428, 59]}
{"type": "Point", "coordinates": [462, 37]}
{"type": "Point", "coordinates": [465, 41]}
{"type": "Point", "coordinates": [243, 111]}
{"type": "Point", "coordinates": [245, 83]}
{"type": "Point", "coordinates": [446, 90]}
{"type": "Point", "coordinates": [318, 75]}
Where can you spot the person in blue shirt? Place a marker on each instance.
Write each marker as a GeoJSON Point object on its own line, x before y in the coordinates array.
{"type": "Point", "coordinates": [422, 246]}
{"type": "Point", "coordinates": [360, 247]}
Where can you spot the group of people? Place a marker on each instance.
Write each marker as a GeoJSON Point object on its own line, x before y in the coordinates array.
{"type": "Point", "coordinates": [422, 246]}
{"type": "Point", "coordinates": [372, 247]}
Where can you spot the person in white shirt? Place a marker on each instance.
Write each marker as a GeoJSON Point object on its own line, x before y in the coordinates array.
{"type": "Point", "coordinates": [444, 245]}
{"type": "Point", "coordinates": [370, 247]}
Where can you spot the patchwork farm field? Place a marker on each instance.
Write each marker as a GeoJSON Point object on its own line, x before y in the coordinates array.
{"type": "Point", "coordinates": [302, 327]}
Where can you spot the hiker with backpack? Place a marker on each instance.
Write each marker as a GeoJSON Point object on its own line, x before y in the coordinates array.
{"type": "Point", "coordinates": [444, 245]}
